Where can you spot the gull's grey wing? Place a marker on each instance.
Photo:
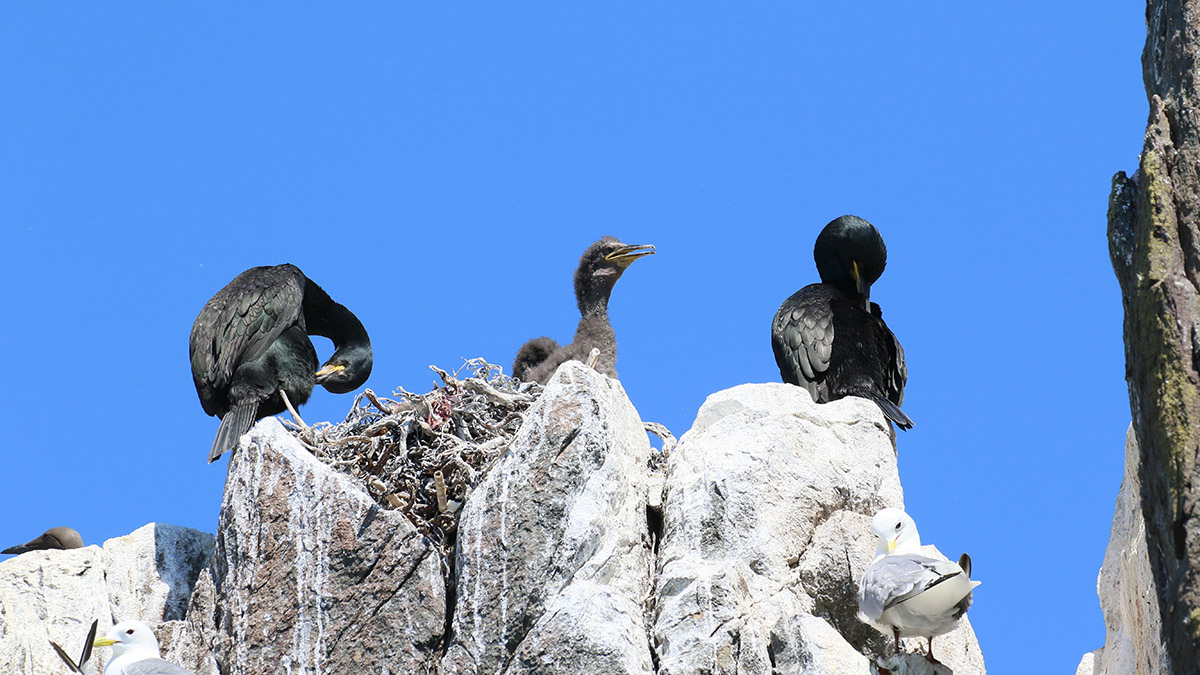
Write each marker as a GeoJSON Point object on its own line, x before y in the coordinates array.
{"type": "Point", "coordinates": [896, 578]}
{"type": "Point", "coordinates": [156, 667]}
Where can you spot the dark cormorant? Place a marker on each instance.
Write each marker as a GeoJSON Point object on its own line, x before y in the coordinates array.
{"type": "Point", "coordinates": [250, 342]}
{"type": "Point", "coordinates": [830, 338]}
{"type": "Point", "coordinates": [601, 265]}
{"type": "Point", "coordinates": [53, 538]}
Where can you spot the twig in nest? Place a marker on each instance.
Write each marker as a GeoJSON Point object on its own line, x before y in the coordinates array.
{"type": "Point", "coordinates": [347, 439]}
{"type": "Point", "coordinates": [510, 400]}
{"type": "Point", "coordinates": [295, 415]}
{"type": "Point", "coordinates": [439, 484]}
{"type": "Point", "coordinates": [381, 427]}
{"type": "Point", "coordinates": [447, 378]}
{"type": "Point", "coordinates": [379, 405]}
{"type": "Point", "coordinates": [422, 454]}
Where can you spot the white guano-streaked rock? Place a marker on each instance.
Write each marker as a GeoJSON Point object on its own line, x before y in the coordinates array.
{"type": "Point", "coordinates": [554, 561]}
{"type": "Point", "coordinates": [151, 571]}
{"type": "Point", "coordinates": [761, 515]}
{"type": "Point", "coordinates": [146, 575]}
{"type": "Point", "coordinates": [314, 577]}
{"type": "Point", "coordinates": [49, 595]}
{"type": "Point", "coordinates": [1133, 627]}
{"type": "Point", "coordinates": [1087, 665]}
{"type": "Point", "coordinates": [766, 535]}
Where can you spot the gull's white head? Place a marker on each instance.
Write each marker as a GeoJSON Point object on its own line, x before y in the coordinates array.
{"type": "Point", "coordinates": [130, 637]}
{"type": "Point", "coordinates": [896, 531]}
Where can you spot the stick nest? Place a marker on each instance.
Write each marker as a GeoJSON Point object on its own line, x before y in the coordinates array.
{"type": "Point", "coordinates": [421, 454]}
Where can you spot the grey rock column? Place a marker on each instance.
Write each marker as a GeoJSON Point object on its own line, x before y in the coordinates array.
{"type": "Point", "coordinates": [554, 560]}
{"type": "Point", "coordinates": [313, 577]}
{"type": "Point", "coordinates": [769, 499]}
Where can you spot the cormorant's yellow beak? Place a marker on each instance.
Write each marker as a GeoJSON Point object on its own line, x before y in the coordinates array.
{"type": "Point", "coordinates": [891, 545]}
{"type": "Point", "coordinates": [104, 642]}
{"type": "Point", "coordinates": [864, 289]}
{"type": "Point", "coordinates": [329, 370]}
{"type": "Point", "coordinates": [625, 255]}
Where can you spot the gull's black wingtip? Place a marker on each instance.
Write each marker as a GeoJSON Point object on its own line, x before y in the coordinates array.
{"type": "Point", "coordinates": [71, 665]}
{"type": "Point", "coordinates": [88, 645]}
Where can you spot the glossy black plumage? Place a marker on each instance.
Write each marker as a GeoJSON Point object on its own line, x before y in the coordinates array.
{"type": "Point", "coordinates": [830, 338]}
{"type": "Point", "coordinates": [601, 265]}
{"type": "Point", "coordinates": [251, 341]}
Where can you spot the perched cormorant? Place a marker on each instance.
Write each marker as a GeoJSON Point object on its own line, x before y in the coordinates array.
{"type": "Point", "coordinates": [250, 342]}
{"type": "Point", "coordinates": [830, 338]}
{"type": "Point", "coordinates": [53, 538]}
{"type": "Point", "coordinates": [601, 265]}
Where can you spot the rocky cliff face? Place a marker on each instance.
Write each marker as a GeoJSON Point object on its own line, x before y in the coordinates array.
{"type": "Point", "coordinates": [1133, 641]}
{"type": "Point", "coordinates": [580, 550]}
{"type": "Point", "coordinates": [1153, 235]}
{"type": "Point", "coordinates": [149, 574]}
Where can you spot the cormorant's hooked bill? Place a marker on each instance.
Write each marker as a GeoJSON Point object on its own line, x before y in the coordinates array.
{"type": "Point", "coordinates": [249, 347]}
{"type": "Point", "coordinates": [830, 338]}
{"type": "Point", "coordinates": [601, 266]}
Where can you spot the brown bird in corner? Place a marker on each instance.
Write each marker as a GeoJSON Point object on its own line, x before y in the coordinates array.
{"type": "Point", "coordinates": [53, 538]}
{"type": "Point", "coordinates": [601, 266]}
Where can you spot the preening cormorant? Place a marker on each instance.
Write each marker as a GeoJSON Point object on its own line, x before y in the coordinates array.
{"type": "Point", "coordinates": [601, 265]}
{"type": "Point", "coordinates": [830, 338]}
{"type": "Point", "coordinates": [251, 341]}
{"type": "Point", "coordinates": [53, 538]}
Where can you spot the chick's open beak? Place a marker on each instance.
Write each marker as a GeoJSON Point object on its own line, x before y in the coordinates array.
{"type": "Point", "coordinates": [628, 253]}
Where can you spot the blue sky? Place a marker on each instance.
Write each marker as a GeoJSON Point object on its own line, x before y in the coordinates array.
{"type": "Point", "coordinates": [439, 171]}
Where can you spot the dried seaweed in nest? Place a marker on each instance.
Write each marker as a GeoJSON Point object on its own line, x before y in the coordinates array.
{"type": "Point", "coordinates": [423, 453]}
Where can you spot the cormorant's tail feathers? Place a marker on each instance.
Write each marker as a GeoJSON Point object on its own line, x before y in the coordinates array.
{"type": "Point", "coordinates": [891, 411]}
{"type": "Point", "coordinates": [236, 422]}
{"type": "Point", "coordinates": [532, 354]}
